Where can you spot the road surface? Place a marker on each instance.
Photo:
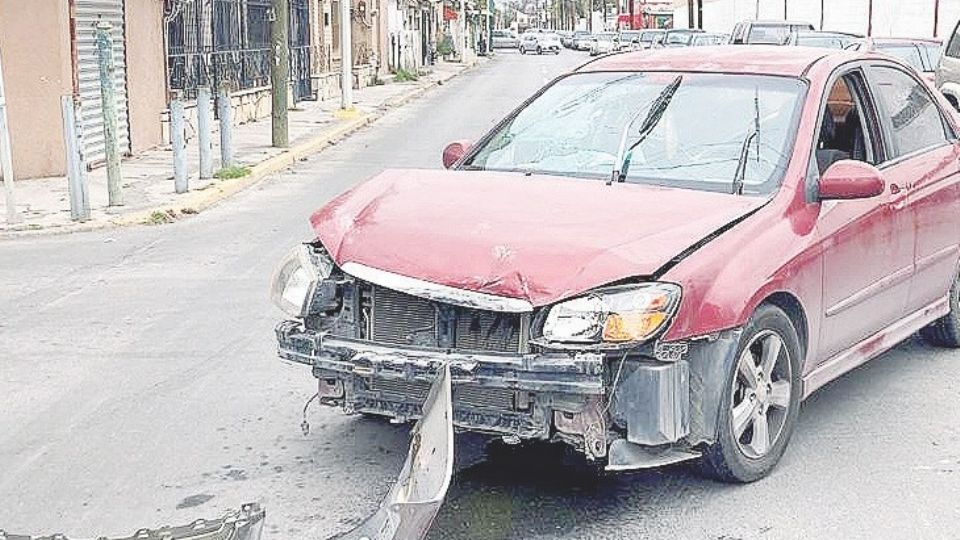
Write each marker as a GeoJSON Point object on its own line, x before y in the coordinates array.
{"type": "Point", "coordinates": [139, 386]}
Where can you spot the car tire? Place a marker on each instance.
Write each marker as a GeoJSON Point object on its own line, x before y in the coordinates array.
{"type": "Point", "coordinates": [523, 51]}
{"type": "Point", "coordinates": [539, 50]}
{"type": "Point", "coordinates": [741, 454]}
{"type": "Point", "coordinates": [945, 331]}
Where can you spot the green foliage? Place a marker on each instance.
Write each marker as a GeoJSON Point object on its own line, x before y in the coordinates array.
{"type": "Point", "coordinates": [445, 46]}
{"type": "Point", "coordinates": [236, 171]}
{"type": "Point", "coordinates": [403, 75]}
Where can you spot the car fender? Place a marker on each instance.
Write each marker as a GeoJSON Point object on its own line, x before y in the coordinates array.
{"type": "Point", "coordinates": [723, 282]}
{"type": "Point", "coordinates": [951, 91]}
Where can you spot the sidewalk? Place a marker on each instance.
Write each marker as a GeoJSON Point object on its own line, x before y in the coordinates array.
{"type": "Point", "coordinates": [148, 193]}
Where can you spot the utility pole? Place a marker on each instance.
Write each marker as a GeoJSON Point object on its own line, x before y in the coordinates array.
{"type": "Point", "coordinates": [936, 16]}
{"type": "Point", "coordinates": [463, 30]}
{"type": "Point", "coordinates": [280, 73]}
{"type": "Point", "coordinates": [490, 26]}
{"type": "Point", "coordinates": [869, 18]}
{"type": "Point", "coordinates": [6, 158]}
{"type": "Point", "coordinates": [346, 56]}
{"type": "Point", "coordinates": [108, 97]}
{"type": "Point", "coordinates": [822, 16]}
{"type": "Point", "coordinates": [690, 14]}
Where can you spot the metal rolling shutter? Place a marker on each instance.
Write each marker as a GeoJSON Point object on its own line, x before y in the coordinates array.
{"type": "Point", "coordinates": [88, 14]}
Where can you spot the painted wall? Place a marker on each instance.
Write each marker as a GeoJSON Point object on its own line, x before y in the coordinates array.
{"type": "Point", "coordinates": [905, 18]}
{"type": "Point", "coordinates": [35, 44]}
{"type": "Point", "coordinates": [146, 72]}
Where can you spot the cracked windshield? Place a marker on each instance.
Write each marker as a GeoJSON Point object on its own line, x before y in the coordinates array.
{"type": "Point", "coordinates": [479, 269]}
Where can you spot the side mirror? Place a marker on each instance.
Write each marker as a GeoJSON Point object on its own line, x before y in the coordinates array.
{"type": "Point", "coordinates": [454, 151]}
{"type": "Point", "coordinates": [849, 179]}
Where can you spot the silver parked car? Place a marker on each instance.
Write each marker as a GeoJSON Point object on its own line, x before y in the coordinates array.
{"type": "Point", "coordinates": [505, 39]}
{"type": "Point", "coordinates": [540, 43]}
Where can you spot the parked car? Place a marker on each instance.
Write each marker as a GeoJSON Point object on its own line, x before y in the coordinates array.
{"type": "Point", "coordinates": [604, 43]}
{"type": "Point", "coordinates": [566, 38]}
{"type": "Point", "coordinates": [753, 224]}
{"type": "Point", "coordinates": [922, 55]}
{"type": "Point", "coordinates": [581, 40]}
{"type": "Point", "coordinates": [679, 37]}
{"type": "Point", "coordinates": [948, 70]}
{"type": "Point", "coordinates": [652, 38]}
{"type": "Point", "coordinates": [541, 43]}
{"type": "Point", "coordinates": [629, 39]}
{"type": "Point", "coordinates": [505, 39]}
{"type": "Point", "coordinates": [827, 40]}
{"type": "Point", "coordinates": [708, 39]}
{"type": "Point", "coordinates": [766, 32]}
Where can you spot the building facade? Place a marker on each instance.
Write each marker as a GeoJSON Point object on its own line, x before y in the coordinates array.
{"type": "Point", "coordinates": [49, 51]}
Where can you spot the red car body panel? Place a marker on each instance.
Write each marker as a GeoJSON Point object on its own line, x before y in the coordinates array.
{"type": "Point", "coordinates": [538, 238]}
{"type": "Point", "coordinates": [859, 272]}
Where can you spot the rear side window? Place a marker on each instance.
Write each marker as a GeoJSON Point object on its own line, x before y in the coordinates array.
{"type": "Point", "coordinates": [907, 52]}
{"type": "Point", "coordinates": [912, 119]}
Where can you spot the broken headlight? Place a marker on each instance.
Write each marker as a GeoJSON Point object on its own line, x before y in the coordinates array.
{"type": "Point", "coordinates": [613, 315]}
{"type": "Point", "coordinates": [297, 277]}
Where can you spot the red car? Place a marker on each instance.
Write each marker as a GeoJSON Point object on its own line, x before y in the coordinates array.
{"type": "Point", "coordinates": [655, 258]}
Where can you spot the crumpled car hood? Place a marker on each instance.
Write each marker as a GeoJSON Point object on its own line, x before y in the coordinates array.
{"type": "Point", "coordinates": [537, 238]}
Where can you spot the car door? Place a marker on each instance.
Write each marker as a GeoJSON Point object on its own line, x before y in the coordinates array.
{"type": "Point", "coordinates": [867, 244]}
{"type": "Point", "coordinates": [923, 151]}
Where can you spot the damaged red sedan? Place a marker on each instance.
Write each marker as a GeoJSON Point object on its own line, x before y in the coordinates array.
{"type": "Point", "coordinates": [656, 258]}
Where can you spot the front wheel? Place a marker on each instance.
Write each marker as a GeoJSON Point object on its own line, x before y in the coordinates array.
{"type": "Point", "coordinates": [523, 51]}
{"type": "Point", "coordinates": [761, 400]}
{"type": "Point", "coordinates": [945, 331]}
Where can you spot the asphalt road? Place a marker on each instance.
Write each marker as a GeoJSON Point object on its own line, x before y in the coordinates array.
{"type": "Point", "coordinates": [139, 386]}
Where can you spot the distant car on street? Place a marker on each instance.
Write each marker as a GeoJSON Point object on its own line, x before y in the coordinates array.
{"type": "Point", "coordinates": [651, 38]}
{"type": "Point", "coordinates": [766, 32]}
{"type": "Point", "coordinates": [948, 71]}
{"type": "Point", "coordinates": [566, 37]}
{"type": "Point", "coordinates": [604, 43]}
{"type": "Point", "coordinates": [827, 40]}
{"type": "Point", "coordinates": [707, 39]}
{"type": "Point", "coordinates": [581, 40]}
{"type": "Point", "coordinates": [505, 39]}
{"type": "Point", "coordinates": [540, 43]}
{"type": "Point", "coordinates": [629, 39]}
{"type": "Point", "coordinates": [655, 259]}
{"type": "Point", "coordinates": [922, 55]}
{"type": "Point", "coordinates": [679, 37]}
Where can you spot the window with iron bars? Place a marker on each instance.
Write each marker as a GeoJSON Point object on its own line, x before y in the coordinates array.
{"type": "Point", "coordinates": [211, 42]}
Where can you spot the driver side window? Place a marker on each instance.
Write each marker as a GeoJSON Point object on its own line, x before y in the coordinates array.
{"type": "Point", "coordinates": [843, 132]}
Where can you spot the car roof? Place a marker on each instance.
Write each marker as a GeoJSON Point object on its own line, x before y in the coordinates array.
{"type": "Point", "coordinates": [779, 22]}
{"type": "Point", "coordinates": [892, 40]}
{"type": "Point", "coordinates": [762, 59]}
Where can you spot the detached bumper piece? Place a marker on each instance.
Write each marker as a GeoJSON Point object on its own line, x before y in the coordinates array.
{"type": "Point", "coordinates": [243, 524]}
{"type": "Point", "coordinates": [412, 504]}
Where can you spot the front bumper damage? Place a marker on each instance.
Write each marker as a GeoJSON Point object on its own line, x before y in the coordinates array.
{"type": "Point", "coordinates": [629, 410]}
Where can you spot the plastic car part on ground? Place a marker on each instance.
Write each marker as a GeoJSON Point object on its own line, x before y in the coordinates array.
{"type": "Point", "coordinates": [409, 509]}
{"type": "Point", "coordinates": [243, 524]}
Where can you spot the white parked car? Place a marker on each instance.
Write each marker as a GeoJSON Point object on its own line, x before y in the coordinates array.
{"type": "Point", "coordinates": [604, 43]}
{"type": "Point", "coordinates": [540, 43]}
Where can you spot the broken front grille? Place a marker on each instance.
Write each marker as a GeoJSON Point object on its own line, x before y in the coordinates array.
{"type": "Point", "coordinates": [463, 394]}
{"type": "Point", "coordinates": [395, 318]}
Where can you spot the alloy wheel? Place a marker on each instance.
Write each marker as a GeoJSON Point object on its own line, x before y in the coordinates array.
{"type": "Point", "coordinates": [761, 394]}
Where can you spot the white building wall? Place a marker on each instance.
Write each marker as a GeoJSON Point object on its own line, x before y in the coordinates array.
{"type": "Point", "coordinates": [905, 18]}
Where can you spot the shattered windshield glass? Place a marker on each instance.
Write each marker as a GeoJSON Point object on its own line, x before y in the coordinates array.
{"type": "Point", "coordinates": [574, 129]}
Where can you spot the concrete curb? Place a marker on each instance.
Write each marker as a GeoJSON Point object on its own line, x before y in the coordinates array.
{"type": "Point", "coordinates": [195, 202]}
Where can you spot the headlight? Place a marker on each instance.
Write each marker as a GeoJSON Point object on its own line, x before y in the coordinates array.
{"type": "Point", "coordinates": [621, 314]}
{"type": "Point", "coordinates": [296, 279]}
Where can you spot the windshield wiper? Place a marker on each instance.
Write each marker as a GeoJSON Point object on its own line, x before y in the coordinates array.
{"type": "Point", "coordinates": [741, 171]}
{"type": "Point", "coordinates": [659, 106]}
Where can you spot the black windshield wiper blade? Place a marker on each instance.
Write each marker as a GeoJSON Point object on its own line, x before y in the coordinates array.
{"type": "Point", "coordinates": [741, 172]}
{"type": "Point", "coordinates": [653, 117]}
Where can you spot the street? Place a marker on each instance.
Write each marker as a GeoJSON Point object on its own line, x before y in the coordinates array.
{"type": "Point", "coordinates": [139, 386]}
